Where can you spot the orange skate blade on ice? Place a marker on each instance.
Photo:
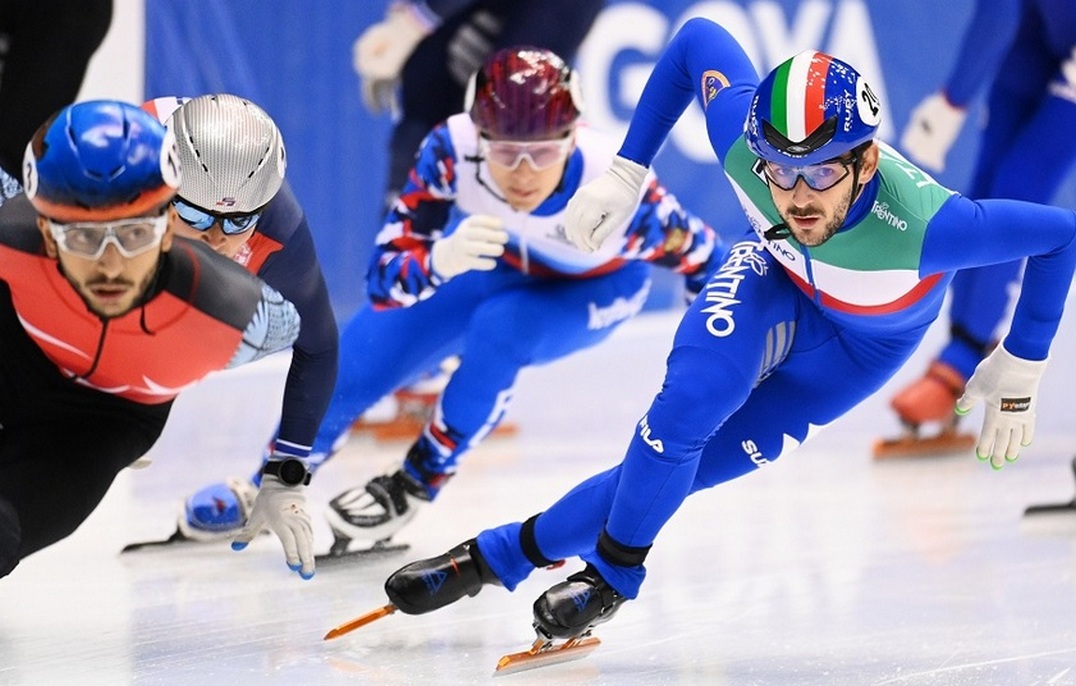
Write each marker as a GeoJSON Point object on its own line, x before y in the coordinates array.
{"type": "Point", "coordinates": [947, 442]}
{"type": "Point", "coordinates": [409, 428]}
{"type": "Point", "coordinates": [348, 627]}
{"type": "Point", "coordinates": [544, 653]}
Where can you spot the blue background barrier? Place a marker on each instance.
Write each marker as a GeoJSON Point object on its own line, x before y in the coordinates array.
{"type": "Point", "coordinates": [294, 59]}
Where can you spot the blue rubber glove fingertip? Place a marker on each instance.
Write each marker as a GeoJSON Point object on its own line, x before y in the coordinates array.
{"type": "Point", "coordinates": [306, 577]}
{"type": "Point", "coordinates": [238, 545]}
{"type": "Point", "coordinates": [295, 567]}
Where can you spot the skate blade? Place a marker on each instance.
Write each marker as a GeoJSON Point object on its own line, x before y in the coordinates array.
{"type": "Point", "coordinates": [947, 442]}
{"type": "Point", "coordinates": [359, 622]}
{"type": "Point", "coordinates": [1055, 508]}
{"type": "Point", "coordinates": [176, 539]}
{"type": "Point", "coordinates": [408, 428]}
{"type": "Point", "coordinates": [376, 551]}
{"type": "Point", "coordinates": [544, 653]}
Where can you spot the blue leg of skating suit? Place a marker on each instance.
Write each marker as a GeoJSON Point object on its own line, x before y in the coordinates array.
{"type": "Point", "coordinates": [534, 322]}
{"type": "Point", "coordinates": [1027, 149]}
{"type": "Point", "coordinates": [710, 424]}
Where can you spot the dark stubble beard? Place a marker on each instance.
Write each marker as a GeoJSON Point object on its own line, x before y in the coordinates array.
{"type": "Point", "coordinates": [840, 212]}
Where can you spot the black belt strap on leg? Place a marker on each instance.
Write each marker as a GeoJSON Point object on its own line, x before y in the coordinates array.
{"type": "Point", "coordinates": [619, 554]}
{"type": "Point", "coordinates": [959, 333]}
{"type": "Point", "coordinates": [530, 546]}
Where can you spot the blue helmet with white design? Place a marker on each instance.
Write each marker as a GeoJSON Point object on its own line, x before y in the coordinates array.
{"type": "Point", "coordinates": [100, 160]}
{"type": "Point", "coordinates": [810, 109]}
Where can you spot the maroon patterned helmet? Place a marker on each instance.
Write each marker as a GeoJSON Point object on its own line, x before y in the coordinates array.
{"type": "Point", "coordinates": [524, 94]}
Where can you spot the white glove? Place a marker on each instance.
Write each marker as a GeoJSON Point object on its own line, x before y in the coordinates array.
{"type": "Point", "coordinates": [604, 205]}
{"type": "Point", "coordinates": [476, 243]}
{"type": "Point", "coordinates": [282, 509]}
{"type": "Point", "coordinates": [931, 131]}
{"type": "Point", "coordinates": [1008, 386]}
{"type": "Point", "coordinates": [379, 54]}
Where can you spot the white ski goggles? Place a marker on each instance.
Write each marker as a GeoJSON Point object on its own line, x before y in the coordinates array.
{"type": "Point", "coordinates": [131, 237]}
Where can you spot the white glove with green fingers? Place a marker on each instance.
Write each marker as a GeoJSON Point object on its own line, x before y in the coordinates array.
{"type": "Point", "coordinates": [1007, 386]}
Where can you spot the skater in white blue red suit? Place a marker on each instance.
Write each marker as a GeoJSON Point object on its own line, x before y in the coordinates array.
{"type": "Point", "coordinates": [472, 260]}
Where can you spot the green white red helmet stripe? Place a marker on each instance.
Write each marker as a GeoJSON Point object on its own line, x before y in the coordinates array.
{"type": "Point", "coordinates": [799, 92]}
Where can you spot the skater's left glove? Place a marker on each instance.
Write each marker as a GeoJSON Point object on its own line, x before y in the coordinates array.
{"type": "Point", "coordinates": [379, 54]}
{"type": "Point", "coordinates": [1007, 385]}
{"type": "Point", "coordinates": [282, 509]}
{"type": "Point", "coordinates": [932, 130]}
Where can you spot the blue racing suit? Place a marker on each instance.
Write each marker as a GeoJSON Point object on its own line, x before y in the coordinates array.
{"type": "Point", "coordinates": [784, 338]}
{"type": "Point", "coordinates": [1027, 146]}
{"type": "Point", "coordinates": [544, 300]}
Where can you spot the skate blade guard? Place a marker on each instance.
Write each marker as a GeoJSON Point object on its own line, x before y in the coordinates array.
{"type": "Point", "coordinates": [545, 652]}
{"type": "Point", "coordinates": [359, 622]}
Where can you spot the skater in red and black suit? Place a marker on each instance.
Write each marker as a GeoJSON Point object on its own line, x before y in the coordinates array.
{"type": "Point", "coordinates": [105, 316]}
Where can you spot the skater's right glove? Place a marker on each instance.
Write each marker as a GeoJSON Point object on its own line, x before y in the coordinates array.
{"type": "Point", "coordinates": [476, 243]}
{"type": "Point", "coordinates": [1007, 385]}
{"type": "Point", "coordinates": [380, 52]}
{"type": "Point", "coordinates": [931, 131]}
{"type": "Point", "coordinates": [605, 204]}
{"type": "Point", "coordinates": [282, 509]}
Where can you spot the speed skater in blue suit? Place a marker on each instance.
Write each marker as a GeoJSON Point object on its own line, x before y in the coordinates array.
{"type": "Point", "coordinates": [846, 265]}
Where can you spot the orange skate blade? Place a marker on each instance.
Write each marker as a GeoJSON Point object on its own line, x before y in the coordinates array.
{"type": "Point", "coordinates": [947, 442]}
{"type": "Point", "coordinates": [407, 428]}
{"type": "Point", "coordinates": [348, 627]}
{"type": "Point", "coordinates": [544, 653]}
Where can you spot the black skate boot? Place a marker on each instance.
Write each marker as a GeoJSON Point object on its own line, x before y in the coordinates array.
{"type": "Point", "coordinates": [375, 511]}
{"type": "Point", "coordinates": [571, 608]}
{"type": "Point", "coordinates": [428, 585]}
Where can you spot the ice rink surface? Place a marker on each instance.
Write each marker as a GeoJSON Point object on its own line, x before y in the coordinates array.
{"type": "Point", "coordinates": [824, 568]}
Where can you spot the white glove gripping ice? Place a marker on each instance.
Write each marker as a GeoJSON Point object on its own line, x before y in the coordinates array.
{"type": "Point", "coordinates": [931, 131]}
{"type": "Point", "coordinates": [476, 243]}
{"type": "Point", "coordinates": [282, 509]}
{"type": "Point", "coordinates": [380, 51]}
{"type": "Point", "coordinates": [603, 205]}
{"type": "Point", "coordinates": [1007, 385]}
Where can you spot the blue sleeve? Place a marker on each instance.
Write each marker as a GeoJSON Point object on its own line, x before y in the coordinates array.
{"type": "Point", "coordinates": [296, 273]}
{"type": "Point", "coordinates": [400, 273]}
{"type": "Point", "coordinates": [987, 38]}
{"type": "Point", "coordinates": [702, 61]}
{"type": "Point", "coordinates": [966, 233]}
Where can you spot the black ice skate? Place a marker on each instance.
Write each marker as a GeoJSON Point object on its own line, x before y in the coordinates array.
{"type": "Point", "coordinates": [428, 585]}
{"type": "Point", "coordinates": [573, 607]}
{"type": "Point", "coordinates": [569, 611]}
{"type": "Point", "coordinates": [374, 512]}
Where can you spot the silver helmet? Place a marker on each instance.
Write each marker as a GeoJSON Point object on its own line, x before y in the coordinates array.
{"type": "Point", "coordinates": [233, 150]}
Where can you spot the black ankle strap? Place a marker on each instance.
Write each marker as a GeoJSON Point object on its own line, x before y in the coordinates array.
{"type": "Point", "coordinates": [620, 554]}
{"type": "Point", "coordinates": [530, 546]}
